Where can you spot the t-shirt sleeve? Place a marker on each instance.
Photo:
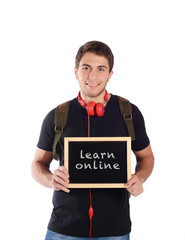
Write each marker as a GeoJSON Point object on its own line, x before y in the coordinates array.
{"type": "Point", "coordinates": [47, 133]}
{"type": "Point", "coordinates": [142, 140]}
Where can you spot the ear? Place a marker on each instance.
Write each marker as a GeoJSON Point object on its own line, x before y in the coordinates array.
{"type": "Point", "coordinates": [110, 75]}
{"type": "Point", "coordinates": [76, 72]}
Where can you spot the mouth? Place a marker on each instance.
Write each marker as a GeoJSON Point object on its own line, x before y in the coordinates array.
{"type": "Point", "coordinates": [92, 85]}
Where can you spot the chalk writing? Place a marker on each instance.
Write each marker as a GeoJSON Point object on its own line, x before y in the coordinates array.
{"type": "Point", "coordinates": [96, 155]}
{"type": "Point", "coordinates": [96, 164]}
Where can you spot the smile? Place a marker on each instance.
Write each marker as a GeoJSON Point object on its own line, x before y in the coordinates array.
{"type": "Point", "coordinates": [92, 84]}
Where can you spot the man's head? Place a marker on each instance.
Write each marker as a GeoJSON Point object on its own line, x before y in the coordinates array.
{"type": "Point", "coordinates": [93, 70]}
{"type": "Point", "coordinates": [98, 48]}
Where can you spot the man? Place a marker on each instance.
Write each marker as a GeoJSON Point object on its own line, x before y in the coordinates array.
{"type": "Point", "coordinates": [111, 219]}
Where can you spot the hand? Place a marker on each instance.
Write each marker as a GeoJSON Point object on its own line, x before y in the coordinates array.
{"type": "Point", "coordinates": [134, 186]}
{"type": "Point", "coordinates": [60, 179]}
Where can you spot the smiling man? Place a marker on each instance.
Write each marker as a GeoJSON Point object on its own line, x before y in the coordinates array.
{"type": "Point", "coordinates": [96, 113]}
{"type": "Point", "coordinates": [93, 73]}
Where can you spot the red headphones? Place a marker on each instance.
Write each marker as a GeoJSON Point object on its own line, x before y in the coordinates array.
{"type": "Point", "coordinates": [93, 107]}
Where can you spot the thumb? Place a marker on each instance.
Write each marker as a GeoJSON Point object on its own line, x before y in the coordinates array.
{"type": "Point", "coordinates": [131, 181]}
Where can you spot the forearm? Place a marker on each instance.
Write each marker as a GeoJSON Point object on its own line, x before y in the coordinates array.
{"type": "Point", "coordinates": [42, 174]}
{"type": "Point", "coordinates": [144, 167]}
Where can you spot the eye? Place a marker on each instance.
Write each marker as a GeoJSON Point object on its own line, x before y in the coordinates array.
{"type": "Point", "coordinates": [85, 68]}
{"type": "Point", "coordinates": [101, 69]}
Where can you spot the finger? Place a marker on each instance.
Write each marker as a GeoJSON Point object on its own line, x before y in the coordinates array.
{"type": "Point", "coordinates": [137, 192]}
{"type": "Point", "coordinates": [64, 170]}
{"type": "Point", "coordinates": [62, 175]}
{"type": "Point", "coordinates": [59, 184]}
{"type": "Point", "coordinates": [60, 181]}
{"type": "Point", "coordinates": [59, 187]}
{"type": "Point", "coordinates": [136, 189]}
{"type": "Point", "coordinates": [131, 188]}
{"type": "Point", "coordinates": [131, 181]}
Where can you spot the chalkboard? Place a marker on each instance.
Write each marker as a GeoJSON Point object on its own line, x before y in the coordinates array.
{"type": "Point", "coordinates": [96, 162]}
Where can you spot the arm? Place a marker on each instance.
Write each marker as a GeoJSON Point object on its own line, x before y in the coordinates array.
{"type": "Point", "coordinates": [40, 171]}
{"type": "Point", "coordinates": [144, 167]}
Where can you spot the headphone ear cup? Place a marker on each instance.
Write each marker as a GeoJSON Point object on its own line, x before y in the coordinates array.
{"type": "Point", "coordinates": [91, 108]}
{"type": "Point", "coordinates": [99, 109]}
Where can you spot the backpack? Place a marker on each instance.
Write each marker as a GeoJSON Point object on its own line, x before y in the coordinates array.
{"type": "Point", "coordinates": [61, 115]}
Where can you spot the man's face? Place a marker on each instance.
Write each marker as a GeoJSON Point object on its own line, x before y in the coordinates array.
{"type": "Point", "coordinates": [93, 75]}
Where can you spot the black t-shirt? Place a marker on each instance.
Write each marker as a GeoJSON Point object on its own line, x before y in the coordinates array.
{"type": "Point", "coordinates": [111, 206]}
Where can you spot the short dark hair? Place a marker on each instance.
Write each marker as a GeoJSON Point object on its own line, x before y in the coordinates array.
{"type": "Point", "coordinates": [98, 48]}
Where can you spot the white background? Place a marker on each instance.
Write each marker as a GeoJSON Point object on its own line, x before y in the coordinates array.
{"type": "Point", "coordinates": [38, 44]}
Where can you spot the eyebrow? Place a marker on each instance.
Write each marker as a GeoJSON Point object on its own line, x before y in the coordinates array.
{"type": "Point", "coordinates": [86, 65]}
{"type": "Point", "coordinates": [102, 66]}
{"type": "Point", "coordinates": [90, 66]}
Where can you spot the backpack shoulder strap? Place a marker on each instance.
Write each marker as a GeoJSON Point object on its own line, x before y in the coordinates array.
{"type": "Point", "coordinates": [61, 115]}
{"type": "Point", "coordinates": [126, 111]}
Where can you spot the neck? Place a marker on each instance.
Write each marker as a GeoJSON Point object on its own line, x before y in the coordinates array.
{"type": "Point", "coordinates": [101, 98]}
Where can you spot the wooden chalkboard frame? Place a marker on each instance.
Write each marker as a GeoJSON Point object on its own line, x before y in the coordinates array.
{"type": "Point", "coordinates": [67, 140]}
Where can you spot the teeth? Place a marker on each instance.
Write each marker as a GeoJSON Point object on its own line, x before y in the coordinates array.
{"type": "Point", "coordinates": [92, 84]}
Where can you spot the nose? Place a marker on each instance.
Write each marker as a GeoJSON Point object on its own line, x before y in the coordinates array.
{"type": "Point", "coordinates": [92, 74]}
